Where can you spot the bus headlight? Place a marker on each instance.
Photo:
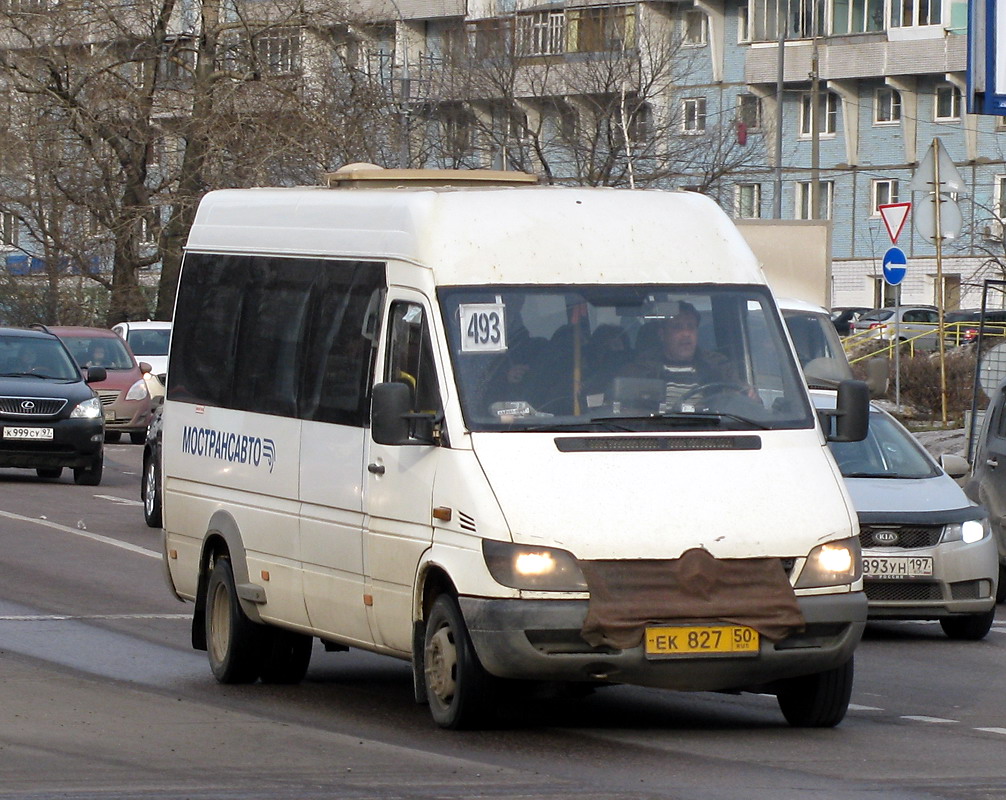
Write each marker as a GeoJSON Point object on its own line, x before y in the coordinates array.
{"type": "Point", "coordinates": [832, 564]}
{"type": "Point", "coordinates": [522, 566]}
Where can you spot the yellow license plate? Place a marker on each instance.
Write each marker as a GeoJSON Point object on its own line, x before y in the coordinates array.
{"type": "Point", "coordinates": [693, 641]}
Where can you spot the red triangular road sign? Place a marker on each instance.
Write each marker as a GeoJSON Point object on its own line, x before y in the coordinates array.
{"type": "Point", "coordinates": [894, 216]}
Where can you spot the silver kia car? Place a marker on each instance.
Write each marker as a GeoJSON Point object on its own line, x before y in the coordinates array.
{"type": "Point", "coordinates": [927, 549]}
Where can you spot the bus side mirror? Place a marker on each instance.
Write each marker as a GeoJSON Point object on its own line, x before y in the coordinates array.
{"type": "Point", "coordinates": [852, 412]}
{"type": "Point", "coordinates": [389, 424]}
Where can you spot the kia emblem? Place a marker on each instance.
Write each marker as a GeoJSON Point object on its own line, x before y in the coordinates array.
{"type": "Point", "coordinates": [885, 537]}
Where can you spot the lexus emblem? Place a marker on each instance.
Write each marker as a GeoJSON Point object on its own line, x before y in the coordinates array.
{"type": "Point", "coordinates": [885, 537]}
{"type": "Point", "coordinates": [27, 405]}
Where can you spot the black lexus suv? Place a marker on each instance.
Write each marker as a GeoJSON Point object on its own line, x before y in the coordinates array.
{"type": "Point", "coordinates": [50, 418]}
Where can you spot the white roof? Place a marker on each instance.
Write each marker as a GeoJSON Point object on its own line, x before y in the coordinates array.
{"type": "Point", "coordinates": [520, 235]}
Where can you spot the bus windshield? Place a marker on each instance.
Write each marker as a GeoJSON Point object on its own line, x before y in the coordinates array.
{"type": "Point", "coordinates": [622, 357]}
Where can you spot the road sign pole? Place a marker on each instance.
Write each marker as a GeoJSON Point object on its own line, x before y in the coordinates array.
{"type": "Point", "coordinates": [940, 298]}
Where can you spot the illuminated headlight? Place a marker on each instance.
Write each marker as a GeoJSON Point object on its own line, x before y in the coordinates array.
{"type": "Point", "coordinates": [533, 568]}
{"type": "Point", "coordinates": [969, 531]}
{"type": "Point", "coordinates": [88, 409]}
{"type": "Point", "coordinates": [832, 564]}
{"type": "Point", "coordinates": [138, 391]}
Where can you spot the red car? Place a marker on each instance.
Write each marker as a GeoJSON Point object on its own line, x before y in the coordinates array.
{"type": "Point", "coordinates": [125, 400]}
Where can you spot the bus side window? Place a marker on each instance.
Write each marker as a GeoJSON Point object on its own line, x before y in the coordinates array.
{"type": "Point", "coordinates": [410, 356]}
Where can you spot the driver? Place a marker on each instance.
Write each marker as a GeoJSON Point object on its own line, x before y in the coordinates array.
{"type": "Point", "coordinates": [678, 360]}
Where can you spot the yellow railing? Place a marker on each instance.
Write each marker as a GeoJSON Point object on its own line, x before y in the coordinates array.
{"type": "Point", "coordinates": [955, 334]}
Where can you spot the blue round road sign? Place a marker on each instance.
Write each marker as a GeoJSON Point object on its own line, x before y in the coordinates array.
{"type": "Point", "coordinates": [895, 265]}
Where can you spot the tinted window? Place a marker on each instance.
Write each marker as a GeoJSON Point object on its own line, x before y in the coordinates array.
{"type": "Point", "coordinates": [281, 336]}
{"type": "Point", "coordinates": [888, 451]}
{"type": "Point", "coordinates": [153, 342]}
{"type": "Point", "coordinates": [38, 356]}
{"type": "Point", "coordinates": [99, 351]}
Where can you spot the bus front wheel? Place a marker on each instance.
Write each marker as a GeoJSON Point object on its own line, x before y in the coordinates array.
{"type": "Point", "coordinates": [233, 642]}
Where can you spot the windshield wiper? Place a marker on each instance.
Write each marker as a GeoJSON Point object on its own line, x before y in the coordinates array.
{"type": "Point", "coordinates": [31, 375]}
{"type": "Point", "coordinates": [699, 420]}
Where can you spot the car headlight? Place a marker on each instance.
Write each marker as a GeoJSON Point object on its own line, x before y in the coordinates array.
{"type": "Point", "coordinates": [138, 391]}
{"type": "Point", "coordinates": [832, 564]}
{"type": "Point", "coordinates": [88, 409]}
{"type": "Point", "coordinates": [522, 566]}
{"type": "Point", "coordinates": [969, 531]}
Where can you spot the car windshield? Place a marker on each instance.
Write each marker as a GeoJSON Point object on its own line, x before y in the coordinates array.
{"type": "Point", "coordinates": [888, 451]}
{"type": "Point", "coordinates": [623, 358]}
{"type": "Point", "coordinates": [40, 357]}
{"type": "Point", "coordinates": [100, 351]}
{"type": "Point", "coordinates": [153, 342]}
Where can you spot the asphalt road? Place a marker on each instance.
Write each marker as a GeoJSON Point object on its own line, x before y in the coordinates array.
{"type": "Point", "coordinates": [101, 696]}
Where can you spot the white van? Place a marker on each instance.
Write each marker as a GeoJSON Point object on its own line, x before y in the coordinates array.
{"type": "Point", "coordinates": [438, 416]}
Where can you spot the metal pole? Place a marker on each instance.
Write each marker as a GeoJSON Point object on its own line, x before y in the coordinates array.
{"type": "Point", "coordinates": [815, 123]}
{"type": "Point", "coordinates": [897, 347]}
{"type": "Point", "coordinates": [937, 199]}
{"type": "Point", "coordinates": [780, 82]}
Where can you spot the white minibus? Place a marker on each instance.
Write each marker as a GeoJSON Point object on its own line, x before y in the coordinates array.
{"type": "Point", "coordinates": [509, 433]}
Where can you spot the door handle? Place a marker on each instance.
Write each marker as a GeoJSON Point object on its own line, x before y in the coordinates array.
{"type": "Point", "coordinates": [376, 469]}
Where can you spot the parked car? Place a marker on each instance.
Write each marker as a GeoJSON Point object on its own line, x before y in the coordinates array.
{"type": "Point", "coordinates": [49, 416]}
{"type": "Point", "coordinates": [125, 399]}
{"type": "Point", "coordinates": [150, 483]}
{"type": "Point", "coordinates": [962, 325]}
{"type": "Point", "coordinates": [844, 316]}
{"type": "Point", "coordinates": [928, 552]}
{"type": "Point", "coordinates": [918, 324]}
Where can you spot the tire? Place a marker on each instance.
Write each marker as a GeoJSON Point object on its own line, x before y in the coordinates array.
{"type": "Point", "coordinates": [89, 476]}
{"type": "Point", "coordinates": [286, 656]}
{"type": "Point", "coordinates": [819, 700]}
{"type": "Point", "coordinates": [150, 492]}
{"type": "Point", "coordinates": [971, 627]}
{"type": "Point", "coordinates": [138, 438]}
{"type": "Point", "coordinates": [234, 643]}
{"type": "Point", "coordinates": [1001, 587]}
{"type": "Point", "coordinates": [458, 688]}
{"type": "Point", "coordinates": [49, 472]}
{"type": "Point", "coordinates": [113, 436]}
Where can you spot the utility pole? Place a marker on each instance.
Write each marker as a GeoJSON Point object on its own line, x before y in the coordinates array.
{"type": "Point", "coordinates": [780, 83]}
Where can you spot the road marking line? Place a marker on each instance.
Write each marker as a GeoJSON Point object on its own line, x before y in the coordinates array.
{"type": "Point", "coordinates": [936, 720]}
{"type": "Point", "coordinates": [992, 730]}
{"type": "Point", "coordinates": [61, 617]}
{"type": "Point", "coordinates": [122, 501]}
{"type": "Point", "coordinates": [133, 548]}
{"type": "Point", "coordinates": [854, 707]}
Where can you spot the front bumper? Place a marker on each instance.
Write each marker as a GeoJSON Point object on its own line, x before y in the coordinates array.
{"type": "Point", "coordinates": [540, 640]}
{"type": "Point", "coordinates": [74, 443]}
{"type": "Point", "coordinates": [963, 582]}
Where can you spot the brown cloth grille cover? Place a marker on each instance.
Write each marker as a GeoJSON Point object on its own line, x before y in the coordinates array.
{"type": "Point", "coordinates": [626, 596]}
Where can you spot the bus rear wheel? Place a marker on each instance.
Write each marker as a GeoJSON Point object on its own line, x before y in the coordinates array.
{"type": "Point", "coordinates": [233, 642]}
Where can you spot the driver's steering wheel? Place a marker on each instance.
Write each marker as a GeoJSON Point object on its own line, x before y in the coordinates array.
{"type": "Point", "coordinates": [711, 389]}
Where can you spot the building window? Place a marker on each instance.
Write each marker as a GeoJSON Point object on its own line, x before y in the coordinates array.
{"type": "Point", "coordinates": [948, 102]}
{"type": "Point", "coordinates": [694, 116]}
{"type": "Point", "coordinates": [857, 16]}
{"type": "Point", "coordinates": [743, 24]}
{"type": "Point", "coordinates": [694, 24]}
{"type": "Point", "coordinates": [799, 17]}
{"type": "Point", "coordinates": [277, 52]}
{"type": "Point", "coordinates": [829, 119]}
{"type": "Point", "coordinates": [605, 29]}
{"type": "Point", "coordinates": [913, 13]}
{"type": "Point", "coordinates": [458, 131]}
{"type": "Point", "coordinates": [803, 199]}
{"type": "Point", "coordinates": [883, 192]}
{"type": "Point", "coordinates": [1001, 123]}
{"type": "Point", "coordinates": [749, 111]}
{"type": "Point", "coordinates": [9, 229]}
{"type": "Point", "coordinates": [748, 205]}
{"type": "Point", "coordinates": [542, 33]}
{"type": "Point", "coordinates": [886, 106]}
{"type": "Point", "coordinates": [640, 123]}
